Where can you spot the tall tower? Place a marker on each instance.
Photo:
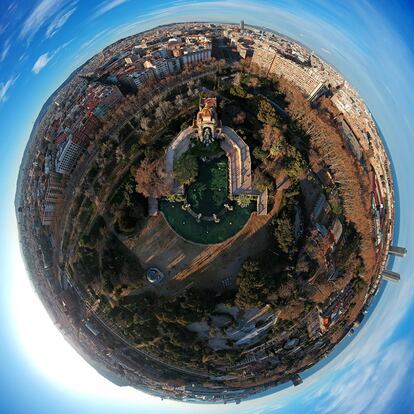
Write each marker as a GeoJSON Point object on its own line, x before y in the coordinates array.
{"type": "Point", "coordinates": [391, 276]}
{"type": "Point", "coordinates": [242, 25]}
{"type": "Point", "coordinates": [398, 251]}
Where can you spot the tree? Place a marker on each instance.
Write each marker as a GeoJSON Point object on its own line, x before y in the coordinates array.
{"type": "Point", "coordinates": [238, 90]}
{"type": "Point", "coordinates": [359, 284]}
{"type": "Point", "coordinates": [352, 181]}
{"type": "Point", "coordinates": [284, 233]}
{"type": "Point", "coordinates": [336, 209]}
{"type": "Point", "coordinates": [125, 222]}
{"type": "Point", "coordinates": [151, 178]}
{"type": "Point", "coordinates": [237, 79]}
{"type": "Point", "coordinates": [239, 118]}
{"type": "Point", "coordinates": [252, 288]}
{"type": "Point", "coordinates": [276, 150]}
{"type": "Point", "coordinates": [134, 149]}
{"type": "Point", "coordinates": [294, 163]}
{"type": "Point", "coordinates": [161, 112]}
{"type": "Point", "coordinates": [254, 82]}
{"type": "Point", "coordinates": [259, 154]}
{"type": "Point", "coordinates": [243, 200]}
{"type": "Point", "coordinates": [261, 181]}
{"type": "Point", "coordinates": [145, 123]}
{"type": "Point", "coordinates": [267, 113]}
{"type": "Point", "coordinates": [186, 169]}
{"type": "Point", "coordinates": [271, 136]}
{"type": "Point", "coordinates": [179, 100]}
{"type": "Point", "coordinates": [302, 265]}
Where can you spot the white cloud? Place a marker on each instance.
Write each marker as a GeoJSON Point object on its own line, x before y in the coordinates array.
{"type": "Point", "coordinates": [6, 49]}
{"type": "Point", "coordinates": [106, 6]}
{"type": "Point", "coordinates": [41, 62]}
{"type": "Point", "coordinates": [3, 27]}
{"type": "Point", "coordinates": [58, 22]}
{"type": "Point", "coordinates": [93, 39]}
{"type": "Point", "coordinates": [381, 371]}
{"type": "Point", "coordinates": [12, 7]}
{"type": "Point", "coordinates": [5, 86]}
{"type": "Point", "coordinates": [44, 10]}
{"type": "Point", "coordinates": [44, 59]}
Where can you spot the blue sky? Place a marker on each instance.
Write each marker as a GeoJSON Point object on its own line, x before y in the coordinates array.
{"type": "Point", "coordinates": [43, 41]}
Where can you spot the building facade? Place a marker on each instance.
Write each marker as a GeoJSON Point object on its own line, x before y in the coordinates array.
{"type": "Point", "coordinates": [51, 198]}
{"type": "Point", "coordinates": [196, 56]}
{"type": "Point", "coordinates": [68, 156]}
{"type": "Point", "coordinates": [272, 62]}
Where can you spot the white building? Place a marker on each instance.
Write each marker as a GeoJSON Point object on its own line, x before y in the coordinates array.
{"type": "Point", "coordinates": [68, 156]}
{"type": "Point", "coordinates": [164, 67]}
{"type": "Point", "coordinates": [160, 67]}
{"type": "Point", "coordinates": [195, 56]}
{"type": "Point", "coordinates": [342, 101]}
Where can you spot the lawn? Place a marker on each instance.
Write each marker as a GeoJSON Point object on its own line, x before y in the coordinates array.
{"type": "Point", "coordinates": [206, 232]}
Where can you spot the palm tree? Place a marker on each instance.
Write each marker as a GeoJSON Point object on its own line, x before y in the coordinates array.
{"type": "Point", "coordinates": [243, 200]}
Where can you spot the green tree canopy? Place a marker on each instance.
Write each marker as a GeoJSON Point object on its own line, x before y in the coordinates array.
{"type": "Point", "coordinates": [294, 163]}
{"type": "Point", "coordinates": [266, 113]}
{"type": "Point", "coordinates": [252, 290]}
{"type": "Point", "coordinates": [243, 200]}
{"type": "Point", "coordinates": [186, 169]}
{"type": "Point", "coordinates": [284, 232]}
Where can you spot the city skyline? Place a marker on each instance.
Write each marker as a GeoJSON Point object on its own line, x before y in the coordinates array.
{"type": "Point", "coordinates": [375, 100]}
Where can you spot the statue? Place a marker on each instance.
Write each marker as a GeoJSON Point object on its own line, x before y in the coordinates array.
{"type": "Point", "coordinates": [207, 136]}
